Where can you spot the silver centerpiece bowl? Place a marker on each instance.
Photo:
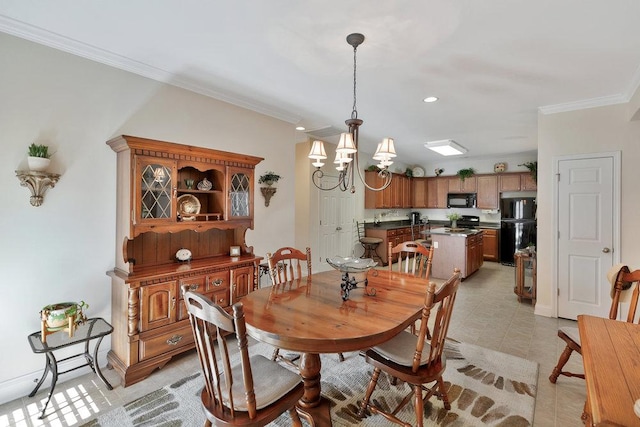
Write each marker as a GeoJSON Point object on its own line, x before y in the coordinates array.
{"type": "Point", "coordinates": [348, 265]}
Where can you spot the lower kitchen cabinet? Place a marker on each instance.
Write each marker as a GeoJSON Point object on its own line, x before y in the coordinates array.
{"type": "Point", "coordinates": [393, 235]}
{"type": "Point", "coordinates": [491, 244]}
{"type": "Point", "coordinates": [456, 251]}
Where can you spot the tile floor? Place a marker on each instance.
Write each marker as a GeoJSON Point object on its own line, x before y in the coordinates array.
{"type": "Point", "coordinates": [487, 313]}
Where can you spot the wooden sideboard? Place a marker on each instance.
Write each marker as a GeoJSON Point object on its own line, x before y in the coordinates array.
{"type": "Point", "coordinates": [147, 311]}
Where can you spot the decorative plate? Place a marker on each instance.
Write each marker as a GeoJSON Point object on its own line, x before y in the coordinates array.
{"type": "Point", "coordinates": [183, 254]}
{"type": "Point", "coordinates": [205, 185]}
{"type": "Point", "coordinates": [188, 206]}
{"type": "Point", "coordinates": [418, 172]}
{"type": "Point", "coordinates": [499, 167]}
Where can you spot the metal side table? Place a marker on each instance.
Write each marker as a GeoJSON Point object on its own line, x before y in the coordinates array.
{"type": "Point", "coordinates": [92, 329]}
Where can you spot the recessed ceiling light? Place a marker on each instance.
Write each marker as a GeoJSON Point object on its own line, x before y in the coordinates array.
{"type": "Point", "coordinates": [446, 147]}
{"type": "Point", "coordinates": [430, 99]}
{"type": "Point", "coordinates": [300, 128]}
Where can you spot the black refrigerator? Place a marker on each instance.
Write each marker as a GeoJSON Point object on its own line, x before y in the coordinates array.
{"type": "Point", "coordinates": [517, 226]}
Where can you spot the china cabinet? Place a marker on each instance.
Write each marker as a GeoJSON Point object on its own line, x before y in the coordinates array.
{"type": "Point", "coordinates": [172, 197]}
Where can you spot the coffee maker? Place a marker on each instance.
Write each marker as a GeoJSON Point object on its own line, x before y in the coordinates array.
{"type": "Point", "coordinates": [415, 218]}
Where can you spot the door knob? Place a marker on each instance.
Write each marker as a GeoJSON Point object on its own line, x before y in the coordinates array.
{"type": "Point", "coordinates": [338, 228]}
{"type": "Point", "coordinates": [606, 250]}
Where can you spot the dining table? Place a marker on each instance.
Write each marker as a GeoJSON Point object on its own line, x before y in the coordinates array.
{"type": "Point", "coordinates": [310, 316]}
{"type": "Point", "coordinates": [611, 359]}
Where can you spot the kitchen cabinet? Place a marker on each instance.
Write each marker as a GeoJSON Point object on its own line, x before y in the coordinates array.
{"type": "Point", "coordinates": [491, 244]}
{"type": "Point", "coordinates": [437, 190]}
{"type": "Point", "coordinates": [456, 251]}
{"type": "Point", "coordinates": [394, 235]}
{"type": "Point", "coordinates": [487, 197]}
{"type": "Point", "coordinates": [457, 185]}
{"type": "Point", "coordinates": [396, 195]}
{"type": "Point", "coordinates": [517, 182]}
{"type": "Point", "coordinates": [525, 287]}
{"type": "Point", "coordinates": [419, 192]}
{"type": "Point", "coordinates": [154, 178]}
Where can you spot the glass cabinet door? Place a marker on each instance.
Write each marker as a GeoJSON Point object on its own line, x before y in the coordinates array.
{"type": "Point", "coordinates": [240, 184]}
{"type": "Point", "coordinates": [156, 188]}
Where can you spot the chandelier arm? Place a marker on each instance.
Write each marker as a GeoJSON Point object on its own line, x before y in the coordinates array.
{"type": "Point", "coordinates": [388, 176]}
{"type": "Point", "coordinates": [318, 174]}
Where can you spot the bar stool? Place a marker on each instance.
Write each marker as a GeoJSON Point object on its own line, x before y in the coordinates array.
{"type": "Point", "coordinates": [370, 244]}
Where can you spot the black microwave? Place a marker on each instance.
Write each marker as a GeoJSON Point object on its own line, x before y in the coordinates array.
{"type": "Point", "coordinates": [461, 200]}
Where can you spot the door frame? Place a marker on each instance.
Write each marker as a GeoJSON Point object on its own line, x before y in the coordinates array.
{"type": "Point", "coordinates": [616, 156]}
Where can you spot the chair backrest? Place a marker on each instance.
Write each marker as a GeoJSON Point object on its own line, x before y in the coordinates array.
{"type": "Point", "coordinates": [361, 231]}
{"type": "Point", "coordinates": [413, 258]}
{"type": "Point", "coordinates": [285, 264]}
{"type": "Point", "coordinates": [624, 282]}
{"type": "Point", "coordinates": [210, 324]}
{"type": "Point", "coordinates": [440, 304]}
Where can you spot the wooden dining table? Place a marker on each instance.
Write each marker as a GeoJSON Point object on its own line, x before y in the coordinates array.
{"type": "Point", "coordinates": [611, 358]}
{"type": "Point", "coordinates": [309, 316]}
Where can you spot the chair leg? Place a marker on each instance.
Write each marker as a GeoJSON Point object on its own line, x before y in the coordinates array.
{"type": "Point", "coordinates": [274, 356]}
{"type": "Point", "coordinates": [443, 394]}
{"type": "Point", "coordinates": [295, 419]}
{"type": "Point", "coordinates": [417, 390]}
{"type": "Point", "coordinates": [370, 388]}
{"type": "Point", "coordinates": [341, 357]}
{"type": "Point", "coordinates": [557, 371]}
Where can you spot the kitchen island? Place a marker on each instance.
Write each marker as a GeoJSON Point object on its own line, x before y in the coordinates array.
{"type": "Point", "coordinates": [456, 248]}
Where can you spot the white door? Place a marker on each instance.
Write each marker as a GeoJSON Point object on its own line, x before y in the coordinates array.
{"type": "Point", "coordinates": [587, 237]}
{"type": "Point", "coordinates": [337, 210]}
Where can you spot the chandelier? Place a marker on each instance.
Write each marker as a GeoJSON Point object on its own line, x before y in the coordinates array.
{"type": "Point", "coordinates": [346, 159]}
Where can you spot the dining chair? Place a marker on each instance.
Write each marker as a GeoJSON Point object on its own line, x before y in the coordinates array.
{"type": "Point", "coordinates": [370, 244]}
{"type": "Point", "coordinates": [413, 359]}
{"type": "Point", "coordinates": [285, 265]}
{"type": "Point", "coordinates": [240, 389]}
{"type": "Point", "coordinates": [413, 258]}
{"type": "Point", "coordinates": [622, 281]}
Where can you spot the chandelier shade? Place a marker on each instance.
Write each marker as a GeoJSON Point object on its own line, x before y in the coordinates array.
{"type": "Point", "coordinates": [347, 149]}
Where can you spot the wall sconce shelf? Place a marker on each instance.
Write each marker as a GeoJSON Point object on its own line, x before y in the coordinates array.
{"type": "Point", "coordinates": [267, 192]}
{"type": "Point", "coordinates": [38, 183]}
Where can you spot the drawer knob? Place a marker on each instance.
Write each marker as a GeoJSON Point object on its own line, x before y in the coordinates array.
{"type": "Point", "coordinates": [217, 282]}
{"type": "Point", "coordinates": [193, 286]}
{"type": "Point", "coordinates": [174, 340]}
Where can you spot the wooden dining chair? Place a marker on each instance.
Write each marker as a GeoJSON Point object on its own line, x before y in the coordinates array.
{"type": "Point", "coordinates": [245, 390]}
{"type": "Point", "coordinates": [413, 359]}
{"type": "Point", "coordinates": [570, 335]}
{"type": "Point", "coordinates": [285, 265]}
{"type": "Point", "coordinates": [413, 258]}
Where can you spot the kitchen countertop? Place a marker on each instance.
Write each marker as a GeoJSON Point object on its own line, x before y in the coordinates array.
{"type": "Point", "coordinates": [391, 225]}
{"type": "Point", "coordinates": [459, 232]}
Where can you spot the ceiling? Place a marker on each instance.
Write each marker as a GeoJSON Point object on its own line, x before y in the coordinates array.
{"type": "Point", "coordinates": [494, 64]}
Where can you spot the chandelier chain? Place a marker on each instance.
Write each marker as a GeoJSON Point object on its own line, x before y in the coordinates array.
{"type": "Point", "coordinates": [354, 111]}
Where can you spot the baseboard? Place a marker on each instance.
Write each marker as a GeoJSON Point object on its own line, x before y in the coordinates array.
{"type": "Point", "coordinates": [544, 310]}
{"type": "Point", "coordinates": [21, 386]}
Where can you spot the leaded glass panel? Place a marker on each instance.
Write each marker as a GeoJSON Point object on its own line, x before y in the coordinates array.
{"type": "Point", "coordinates": [156, 192]}
{"type": "Point", "coordinates": [240, 194]}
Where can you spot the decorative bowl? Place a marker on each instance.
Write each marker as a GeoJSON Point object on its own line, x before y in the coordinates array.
{"type": "Point", "coordinates": [351, 265]}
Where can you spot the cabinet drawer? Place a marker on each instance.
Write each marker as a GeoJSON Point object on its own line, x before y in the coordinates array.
{"type": "Point", "coordinates": [163, 343]}
{"type": "Point", "coordinates": [193, 284]}
{"type": "Point", "coordinates": [217, 281]}
{"type": "Point", "coordinates": [391, 233]}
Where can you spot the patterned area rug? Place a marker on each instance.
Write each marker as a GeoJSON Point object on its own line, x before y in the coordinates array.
{"type": "Point", "coordinates": [486, 388]}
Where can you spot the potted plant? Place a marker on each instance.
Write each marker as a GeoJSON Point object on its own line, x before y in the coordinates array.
{"type": "Point", "coordinates": [466, 173]}
{"type": "Point", "coordinates": [454, 217]}
{"type": "Point", "coordinates": [38, 157]}
{"type": "Point", "coordinates": [269, 178]}
{"type": "Point", "coordinates": [533, 169]}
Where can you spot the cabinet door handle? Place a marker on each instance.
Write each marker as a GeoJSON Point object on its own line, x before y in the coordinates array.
{"type": "Point", "coordinates": [174, 340]}
{"type": "Point", "coordinates": [217, 282]}
{"type": "Point", "coordinates": [173, 303]}
{"type": "Point", "coordinates": [193, 286]}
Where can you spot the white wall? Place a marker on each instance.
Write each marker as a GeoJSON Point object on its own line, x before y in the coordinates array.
{"type": "Point", "coordinates": [61, 250]}
{"type": "Point", "coordinates": [593, 130]}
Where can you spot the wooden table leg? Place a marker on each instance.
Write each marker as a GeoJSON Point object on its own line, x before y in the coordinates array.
{"type": "Point", "coordinates": [312, 406]}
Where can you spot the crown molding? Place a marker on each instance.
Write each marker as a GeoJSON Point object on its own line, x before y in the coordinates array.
{"type": "Point", "coordinates": [84, 50]}
{"type": "Point", "coordinates": [584, 104]}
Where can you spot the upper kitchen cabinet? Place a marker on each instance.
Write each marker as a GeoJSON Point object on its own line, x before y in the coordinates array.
{"type": "Point", "coordinates": [457, 185]}
{"type": "Point", "coordinates": [396, 195]}
{"type": "Point", "coordinates": [437, 190]}
{"type": "Point", "coordinates": [166, 187]}
{"type": "Point", "coordinates": [517, 182]}
{"type": "Point", "coordinates": [419, 192]}
{"type": "Point", "coordinates": [487, 192]}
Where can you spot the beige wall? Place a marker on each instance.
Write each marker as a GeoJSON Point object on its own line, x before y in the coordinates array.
{"type": "Point", "coordinates": [61, 250]}
{"type": "Point", "coordinates": [595, 130]}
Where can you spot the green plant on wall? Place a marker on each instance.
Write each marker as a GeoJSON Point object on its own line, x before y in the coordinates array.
{"type": "Point", "coordinates": [533, 169]}
{"type": "Point", "coordinates": [269, 178]}
{"type": "Point", "coordinates": [39, 150]}
{"type": "Point", "coordinates": [466, 173]}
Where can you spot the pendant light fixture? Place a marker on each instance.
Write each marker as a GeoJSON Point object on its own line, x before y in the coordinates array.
{"type": "Point", "coordinates": [346, 159]}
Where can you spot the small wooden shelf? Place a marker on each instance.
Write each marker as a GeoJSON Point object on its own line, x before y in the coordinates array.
{"type": "Point", "coordinates": [525, 276]}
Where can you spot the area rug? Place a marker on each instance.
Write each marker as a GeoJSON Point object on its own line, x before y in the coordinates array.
{"type": "Point", "coordinates": [486, 388]}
